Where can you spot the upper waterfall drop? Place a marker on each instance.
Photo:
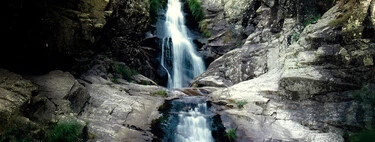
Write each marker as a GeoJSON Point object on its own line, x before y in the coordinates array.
{"type": "Point", "coordinates": [179, 56]}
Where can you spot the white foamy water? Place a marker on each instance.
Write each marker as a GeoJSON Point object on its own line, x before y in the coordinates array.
{"type": "Point", "coordinates": [193, 125]}
{"type": "Point", "coordinates": [179, 48]}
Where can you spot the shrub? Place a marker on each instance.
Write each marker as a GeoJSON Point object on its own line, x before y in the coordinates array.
{"type": "Point", "coordinates": [65, 132]}
{"type": "Point", "coordinates": [365, 95]}
{"type": "Point", "coordinates": [162, 93]}
{"type": "Point", "coordinates": [155, 6]}
{"type": "Point", "coordinates": [363, 136]}
{"type": "Point", "coordinates": [241, 103]}
{"type": "Point", "coordinates": [124, 71]}
{"type": "Point", "coordinates": [231, 134]}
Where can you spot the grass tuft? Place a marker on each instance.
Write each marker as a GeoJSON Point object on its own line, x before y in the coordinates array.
{"type": "Point", "coordinates": [241, 103]}
{"type": "Point", "coordinates": [65, 132]}
{"type": "Point", "coordinates": [231, 134]}
{"type": "Point", "coordinates": [162, 93]}
{"type": "Point", "coordinates": [196, 9]}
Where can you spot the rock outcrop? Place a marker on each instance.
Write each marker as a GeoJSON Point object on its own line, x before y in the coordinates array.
{"type": "Point", "coordinates": [298, 80]}
{"type": "Point", "coordinates": [47, 34]}
{"type": "Point", "coordinates": [121, 112]}
{"type": "Point", "coordinates": [59, 95]}
{"type": "Point", "coordinates": [15, 94]}
{"type": "Point", "coordinates": [107, 111]}
{"type": "Point", "coordinates": [57, 34]}
{"type": "Point", "coordinates": [119, 109]}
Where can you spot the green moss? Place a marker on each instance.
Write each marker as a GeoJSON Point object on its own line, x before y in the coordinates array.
{"type": "Point", "coordinates": [65, 132]}
{"type": "Point", "coordinates": [162, 93]}
{"type": "Point", "coordinates": [231, 134]}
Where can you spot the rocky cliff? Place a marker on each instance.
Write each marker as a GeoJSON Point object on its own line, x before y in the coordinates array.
{"type": "Point", "coordinates": [45, 35]}
{"type": "Point", "coordinates": [298, 69]}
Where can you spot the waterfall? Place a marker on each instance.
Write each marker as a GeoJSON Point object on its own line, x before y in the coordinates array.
{"type": "Point", "coordinates": [189, 120]}
{"type": "Point", "coordinates": [179, 57]}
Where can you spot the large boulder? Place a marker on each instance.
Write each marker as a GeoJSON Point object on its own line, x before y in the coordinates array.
{"type": "Point", "coordinates": [15, 93]}
{"type": "Point", "coordinates": [59, 95]}
{"type": "Point", "coordinates": [235, 66]}
{"type": "Point", "coordinates": [120, 112]}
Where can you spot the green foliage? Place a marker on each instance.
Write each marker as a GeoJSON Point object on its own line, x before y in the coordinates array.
{"type": "Point", "coordinates": [196, 9]}
{"type": "Point", "coordinates": [124, 71]}
{"type": "Point", "coordinates": [162, 93]}
{"type": "Point", "coordinates": [198, 14]}
{"type": "Point", "coordinates": [115, 80]}
{"type": "Point", "coordinates": [312, 20]}
{"type": "Point", "coordinates": [365, 95]}
{"type": "Point", "coordinates": [231, 134]}
{"type": "Point", "coordinates": [364, 136]}
{"type": "Point", "coordinates": [294, 36]}
{"type": "Point", "coordinates": [65, 132]}
{"type": "Point", "coordinates": [155, 6]}
{"type": "Point", "coordinates": [241, 103]}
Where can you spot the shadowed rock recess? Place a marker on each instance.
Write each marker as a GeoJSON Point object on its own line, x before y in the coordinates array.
{"type": "Point", "coordinates": [277, 70]}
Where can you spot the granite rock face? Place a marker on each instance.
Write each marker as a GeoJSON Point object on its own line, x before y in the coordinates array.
{"type": "Point", "coordinates": [304, 77]}
{"type": "Point", "coordinates": [59, 95]}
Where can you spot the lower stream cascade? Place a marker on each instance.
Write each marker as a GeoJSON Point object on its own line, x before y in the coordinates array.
{"type": "Point", "coordinates": [189, 119]}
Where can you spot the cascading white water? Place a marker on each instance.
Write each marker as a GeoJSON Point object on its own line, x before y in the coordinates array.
{"type": "Point", "coordinates": [185, 61]}
{"type": "Point", "coordinates": [191, 120]}
{"type": "Point", "coordinates": [193, 125]}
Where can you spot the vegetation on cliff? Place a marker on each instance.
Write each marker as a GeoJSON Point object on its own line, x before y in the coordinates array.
{"type": "Point", "coordinates": [155, 7]}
